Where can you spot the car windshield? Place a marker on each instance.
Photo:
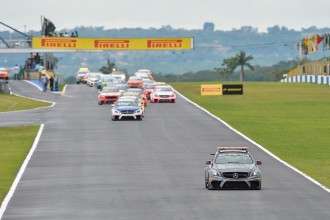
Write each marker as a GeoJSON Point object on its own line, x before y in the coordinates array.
{"type": "Point", "coordinates": [134, 78]}
{"type": "Point", "coordinates": [163, 89]}
{"type": "Point", "coordinates": [110, 90]}
{"type": "Point", "coordinates": [121, 87]}
{"type": "Point", "coordinates": [134, 90]}
{"type": "Point", "coordinates": [127, 103]}
{"type": "Point", "coordinates": [233, 158]}
{"type": "Point", "coordinates": [150, 86]}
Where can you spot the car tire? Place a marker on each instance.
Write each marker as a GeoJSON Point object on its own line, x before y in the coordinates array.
{"type": "Point", "coordinates": [113, 118]}
{"type": "Point", "coordinates": [100, 103]}
{"type": "Point", "coordinates": [139, 118]}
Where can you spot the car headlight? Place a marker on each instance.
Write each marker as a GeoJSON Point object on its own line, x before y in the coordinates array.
{"type": "Point", "coordinates": [138, 111]}
{"type": "Point", "coordinates": [172, 95]}
{"type": "Point", "coordinates": [155, 95]}
{"type": "Point", "coordinates": [102, 96]}
{"type": "Point", "coordinates": [215, 173]}
{"type": "Point", "coordinates": [116, 111]}
{"type": "Point", "coordinates": [254, 173]}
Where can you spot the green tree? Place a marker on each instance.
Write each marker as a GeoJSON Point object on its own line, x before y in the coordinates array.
{"type": "Point", "coordinates": [228, 67]}
{"type": "Point", "coordinates": [230, 64]}
{"type": "Point", "coordinates": [276, 74]}
{"type": "Point", "coordinates": [107, 69]}
{"type": "Point", "coordinates": [242, 60]}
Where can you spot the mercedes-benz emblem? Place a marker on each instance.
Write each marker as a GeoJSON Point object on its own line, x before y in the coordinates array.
{"type": "Point", "coordinates": [235, 175]}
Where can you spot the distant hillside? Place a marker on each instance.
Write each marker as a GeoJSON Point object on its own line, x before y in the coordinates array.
{"type": "Point", "coordinates": [211, 47]}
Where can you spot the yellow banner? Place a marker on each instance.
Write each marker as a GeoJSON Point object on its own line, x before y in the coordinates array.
{"type": "Point", "coordinates": [211, 89]}
{"type": "Point", "coordinates": [113, 43]}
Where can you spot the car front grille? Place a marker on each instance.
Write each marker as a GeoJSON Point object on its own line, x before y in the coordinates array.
{"type": "Point", "coordinates": [111, 97]}
{"type": "Point", "coordinates": [235, 175]}
{"type": "Point", "coordinates": [127, 112]}
{"type": "Point", "coordinates": [235, 185]}
{"type": "Point", "coordinates": [164, 96]}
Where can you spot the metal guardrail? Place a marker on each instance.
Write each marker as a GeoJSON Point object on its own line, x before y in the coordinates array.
{"type": "Point", "coordinates": [16, 44]}
{"type": "Point", "coordinates": [4, 86]}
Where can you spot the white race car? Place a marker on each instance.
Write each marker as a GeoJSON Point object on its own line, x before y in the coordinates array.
{"type": "Point", "coordinates": [126, 109]}
{"type": "Point", "coordinates": [162, 94]}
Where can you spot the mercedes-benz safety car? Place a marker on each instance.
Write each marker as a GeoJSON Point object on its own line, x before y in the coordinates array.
{"type": "Point", "coordinates": [163, 94]}
{"type": "Point", "coordinates": [232, 168]}
{"type": "Point", "coordinates": [81, 73]}
{"type": "Point", "coordinates": [126, 109]}
{"type": "Point", "coordinates": [108, 95]}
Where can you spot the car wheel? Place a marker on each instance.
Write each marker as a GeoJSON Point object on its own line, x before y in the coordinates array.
{"type": "Point", "coordinates": [100, 103]}
{"type": "Point", "coordinates": [113, 118]}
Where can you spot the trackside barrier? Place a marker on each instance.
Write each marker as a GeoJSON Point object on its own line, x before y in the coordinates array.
{"type": "Point", "coordinates": [308, 78]}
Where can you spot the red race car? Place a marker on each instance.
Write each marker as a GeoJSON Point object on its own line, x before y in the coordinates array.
{"type": "Point", "coordinates": [134, 82]}
{"type": "Point", "coordinates": [108, 95]}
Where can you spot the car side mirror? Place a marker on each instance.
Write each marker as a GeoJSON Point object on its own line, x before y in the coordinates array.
{"type": "Point", "coordinates": [208, 162]}
{"type": "Point", "coordinates": [258, 162]}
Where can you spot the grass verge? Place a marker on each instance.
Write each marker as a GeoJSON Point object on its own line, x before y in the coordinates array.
{"type": "Point", "coordinates": [60, 87]}
{"type": "Point", "coordinates": [15, 103]}
{"type": "Point", "coordinates": [14, 146]}
{"type": "Point", "coordinates": [292, 120]}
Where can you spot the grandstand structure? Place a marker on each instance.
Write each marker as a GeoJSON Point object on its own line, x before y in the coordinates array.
{"type": "Point", "coordinates": [313, 72]}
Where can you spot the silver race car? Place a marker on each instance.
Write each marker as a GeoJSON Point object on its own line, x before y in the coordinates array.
{"type": "Point", "coordinates": [232, 168]}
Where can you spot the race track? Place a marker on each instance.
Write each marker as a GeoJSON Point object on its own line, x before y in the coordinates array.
{"type": "Point", "coordinates": [89, 167]}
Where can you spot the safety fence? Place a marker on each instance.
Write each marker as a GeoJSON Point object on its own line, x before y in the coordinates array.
{"type": "Point", "coordinates": [309, 79]}
{"type": "Point", "coordinates": [35, 75]}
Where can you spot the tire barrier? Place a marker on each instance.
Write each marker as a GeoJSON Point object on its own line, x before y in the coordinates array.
{"type": "Point", "coordinates": [308, 79]}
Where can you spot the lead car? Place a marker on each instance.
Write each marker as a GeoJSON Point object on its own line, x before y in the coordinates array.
{"type": "Point", "coordinates": [232, 168]}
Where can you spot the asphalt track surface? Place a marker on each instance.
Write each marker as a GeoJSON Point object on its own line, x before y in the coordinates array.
{"type": "Point", "coordinates": [89, 167]}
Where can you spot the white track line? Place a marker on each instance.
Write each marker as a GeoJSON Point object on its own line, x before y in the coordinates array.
{"type": "Point", "coordinates": [20, 173]}
{"type": "Point", "coordinates": [33, 84]}
{"type": "Point", "coordinates": [11, 93]}
{"type": "Point", "coordinates": [256, 144]}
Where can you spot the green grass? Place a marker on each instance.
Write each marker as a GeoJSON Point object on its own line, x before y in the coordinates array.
{"type": "Point", "coordinates": [15, 103]}
{"type": "Point", "coordinates": [292, 120]}
{"type": "Point", "coordinates": [60, 87]}
{"type": "Point", "coordinates": [14, 146]}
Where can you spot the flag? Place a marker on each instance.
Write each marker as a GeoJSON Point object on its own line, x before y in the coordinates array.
{"type": "Point", "coordinates": [315, 41]}
{"type": "Point", "coordinates": [308, 45]}
{"type": "Point", "coordinates": [48, 27]}
{"type": "Point", "coordinates": [304, 47]}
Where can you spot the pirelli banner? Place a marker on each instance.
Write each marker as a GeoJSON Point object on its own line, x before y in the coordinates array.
{"type": "Point", "coordinates": [211, 89]}
{"type": "Point", "coordinates": [219, 89]}
{"type": "Point", "coordinates": [113, 43]}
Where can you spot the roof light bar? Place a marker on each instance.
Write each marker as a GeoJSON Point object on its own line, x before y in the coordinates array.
{"type": "Point", "coordinates": [233, 148]}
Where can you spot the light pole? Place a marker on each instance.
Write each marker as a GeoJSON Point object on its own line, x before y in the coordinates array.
{"type": "Point", "coordinates": [178, 53]}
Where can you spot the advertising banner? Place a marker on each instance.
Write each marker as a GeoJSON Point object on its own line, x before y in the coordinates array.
{"type": "Point", "coordinates": [232, 89]}
{"type": "Point", "coordinates": [211, 89]}
{"type": "Point", "coordinates": [113, 43]}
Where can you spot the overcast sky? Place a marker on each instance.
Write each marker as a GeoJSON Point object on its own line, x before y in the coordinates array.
{"type": "Point", "coordinates": [187, 14]}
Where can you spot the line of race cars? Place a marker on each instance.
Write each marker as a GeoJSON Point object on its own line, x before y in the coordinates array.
{"type": "Point", "coordinates": [129, 98]}
{"type": "Point", "coordinates": [230, 167]}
